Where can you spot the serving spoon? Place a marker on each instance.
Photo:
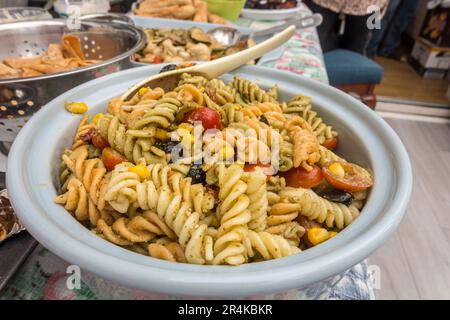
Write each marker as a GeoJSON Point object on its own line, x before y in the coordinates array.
{"type": "Point", "coordinates": [212, 69]}
{"type": "Point", "coordinates": [230, 36]}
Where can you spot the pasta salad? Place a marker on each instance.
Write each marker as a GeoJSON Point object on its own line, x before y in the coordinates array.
{"type": "Point", "coordinates": [211, 173]}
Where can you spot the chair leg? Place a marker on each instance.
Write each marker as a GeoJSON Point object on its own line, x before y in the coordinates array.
{"type": "Point", "coordinates": [370, 100]}
{"type": "Point", "coordinates": [366, 92]}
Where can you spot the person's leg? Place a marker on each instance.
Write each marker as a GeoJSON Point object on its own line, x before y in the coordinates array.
{"type": "Point", "coordinates": [356, 35]}
{"type": "Point", "coordinates": [328, 30]}
{"type": "Point", "coordinates": [403, 16]}
{"type": "Point", "coordinates": [379, 34]}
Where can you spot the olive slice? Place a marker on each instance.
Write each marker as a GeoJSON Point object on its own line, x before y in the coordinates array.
{"type": "Point", "coordinates": [336, 195]}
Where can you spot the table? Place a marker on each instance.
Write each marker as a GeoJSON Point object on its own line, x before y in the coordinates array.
{"type": "Point", "coordinates": [44, 275]}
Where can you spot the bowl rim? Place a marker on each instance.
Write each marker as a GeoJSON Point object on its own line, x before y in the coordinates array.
{"type": "Point", "coordinates": [203, 283]}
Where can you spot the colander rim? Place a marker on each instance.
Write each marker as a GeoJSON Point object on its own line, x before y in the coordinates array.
{"type": "Point", "coordinates": [141, 40]}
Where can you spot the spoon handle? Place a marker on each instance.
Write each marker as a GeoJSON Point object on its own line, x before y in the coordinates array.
{"type": "Point", "coordinates": [223, 65]}
{"type": "Point", "coordinates": [313, 20]}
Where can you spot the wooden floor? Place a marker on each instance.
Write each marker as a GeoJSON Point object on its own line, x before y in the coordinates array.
{"type": "Point", "coordinates": [401, 81]}
{"type": "Point", "coordinates": [415, 262]}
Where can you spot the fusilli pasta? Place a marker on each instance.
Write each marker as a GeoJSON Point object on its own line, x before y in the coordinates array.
{"type": "Point", "coordinates": [145, 177]}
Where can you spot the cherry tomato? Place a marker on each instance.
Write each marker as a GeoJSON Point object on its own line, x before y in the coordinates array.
{"type": "Point", "coordinates": [347, 176]}
{"type": "Point", "coordinates": [299, 177]}
{"type": "Point", "coordinates": [267, 169]}
{"type": "Point", "coordinates": [330, 144]}
{"type": "Point", "coordinates": [209, 118]}
{"type": "Point", "coordinates": [99, 141]}
{"type": "Point", "coordinates": [111, 158]}
{"type": "Point", "coordinates": [157, 60]}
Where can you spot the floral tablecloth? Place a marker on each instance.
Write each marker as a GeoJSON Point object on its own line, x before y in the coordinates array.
{"type": "Point", "coordinates": [45, 276]}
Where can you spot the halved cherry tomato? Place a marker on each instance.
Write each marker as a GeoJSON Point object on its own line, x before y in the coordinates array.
{"type": "Point", "coordinates": [267, 169]}
{"type": "Point", "coordinates": [347, 176]}
{"type": "Point", "coordinates": [157, 60]}
{"type": "Point", "coordinates": [99, 141]}
{"type": "Point", "coordinates": [300, 178]}
{"type": "Point", "coordinates": [330, 144]}
{"type": "Point", "coordinates": [111, 158]}
{"type": "Point", "coordinates": [209, 118]}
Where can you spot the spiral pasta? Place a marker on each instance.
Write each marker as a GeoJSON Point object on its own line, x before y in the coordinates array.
{"type": "Point", "coordinates": [133, 144]}
{"type": "Point", "coordinates": [193, 194]}
{"type": "Point", "coordinates": [178, 215]}
{"type": "Point", "coordinates": [220, 93]}
{"type": "Point", "coordinates": [145, 177]}
{"type": "Point", "coordinates": [306, 145]}
{"type": "Point", "coordinates": [281, 221]}
{"type": "Point", "coordinates": [130, 111]}
{"type": "Point", "coordinates": [250, 91]}
{"type": "Point", "coordinates": [83, 131]}
{"type": "Point", "coordinates": [270, 246]}
{"type": "Point", "coordinates": [170, 252]}
{"type": "Point", "coordinates": [195, 80]}
{"type": "Point", "coordinates": [258, 109]}
{"type": "Point", "coordinates": [257, 195]}
{"type": "Point", "coordinates": [327, 155]}
{"type": "Point", "coordinates": [121, 191]}
{"type": "Point", "coordinates": [301, 106]}
{"type": "Point", "coordinates": [232, 113]}
{"type": "Point", "coordinates": [230, 247]}
{"type": "Point", "coordinates": [77, 201]}
{"type": "Point", "coordinates": [161, 115]}
{"type": "Point", "coordinates": [141, 228]}
{"type": "Point", "coordinates": [316, 208]}
{"type": "Point", "coordinates": [91, 172]}
{"type": "Point", "coordinates": [286, 154]}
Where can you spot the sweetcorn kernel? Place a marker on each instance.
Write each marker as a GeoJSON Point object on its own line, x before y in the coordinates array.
{"type": "Point", "coordinates": [97, 117]}
{"type": "Point", "coordinates": [161, 134]}
{"type": "Point", "coordinates": [143, 91]}
{"type": "Point", "coordinates": [337, 169]}
{"type": "Point", "coordinates": [331, 234]}
{"type": "Point", "coordinates": [317, 235]}
{"type": "Point", "coordinates": [185, 126]}
{"type": "Point", "coordinates": [141, 171]}
{"type": "Point", "coordinates": [76, 107]}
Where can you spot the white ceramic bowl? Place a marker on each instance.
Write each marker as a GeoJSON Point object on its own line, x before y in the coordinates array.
{"type": "Point", "coordinates": [364, 138]}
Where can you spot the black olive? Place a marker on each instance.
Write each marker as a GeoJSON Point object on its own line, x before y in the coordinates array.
{"type": "Point", "coordinates": [197, 174]}
{"type": "Point", "coordinates": [166, 146]}
{"type": "Point", "coordinates": [264, 119]}
{"type": "Point", "coordinates": [337, 195]}
{"type": "Point", "coordinates": [168, 67]}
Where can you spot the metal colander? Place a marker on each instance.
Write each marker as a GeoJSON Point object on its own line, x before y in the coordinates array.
{"type": "Point", "coordinates": [111, 41]}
